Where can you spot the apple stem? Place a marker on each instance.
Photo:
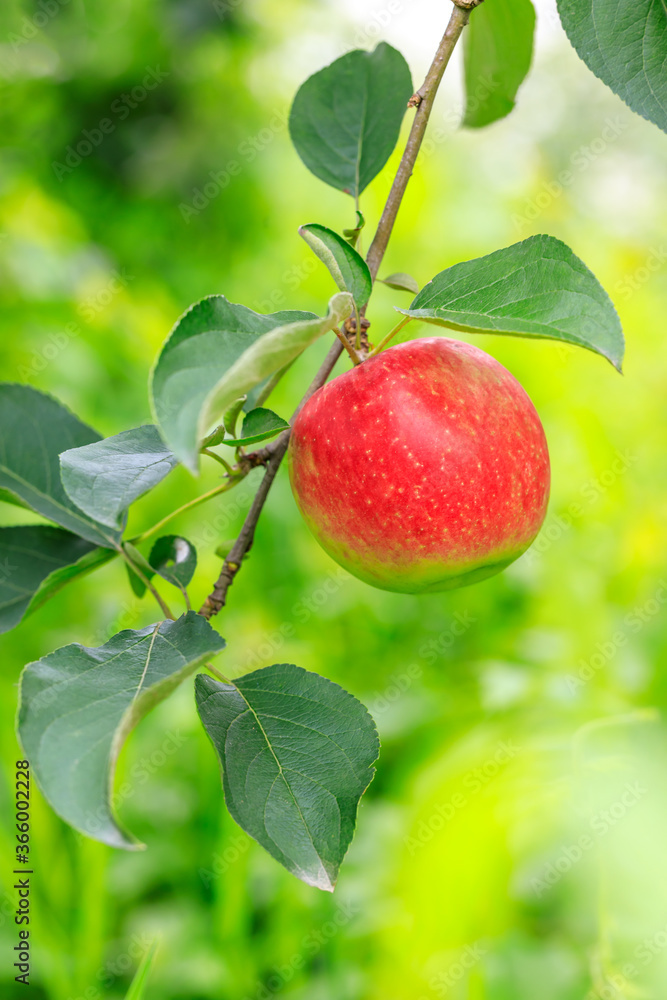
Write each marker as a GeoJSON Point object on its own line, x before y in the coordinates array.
{"type": "Point", "coordinates": [273, 453]}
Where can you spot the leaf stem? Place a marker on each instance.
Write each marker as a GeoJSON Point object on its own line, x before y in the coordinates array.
{"type": "Point", "coordinates": [273, 453]}
{"type": "Point", "coordinates": [390, 336]}
{"type": "Point", "coordinates": [186, 506]}
{"type": "Point", "coordinates": [164, 607]}
{"type": "Point", "coordinates": [216, 673]}
{"type": "Point", "coordinates": [218, 458]}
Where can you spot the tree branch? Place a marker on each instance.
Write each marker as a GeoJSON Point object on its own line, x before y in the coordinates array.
{"type": "Point", "coordinates": [422, 100]}
{"type": "Point", "coordinates": [273, 453]}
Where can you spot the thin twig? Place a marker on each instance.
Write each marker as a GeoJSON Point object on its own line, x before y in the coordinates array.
{"type": "Point", "coordinates": [273, 453]}
{"type": "Point", "coordinates": [423, 100]}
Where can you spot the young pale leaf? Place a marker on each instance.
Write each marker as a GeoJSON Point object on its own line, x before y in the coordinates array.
{"type": "Point", "coordinates": [259, 425]}
{"type": "Point", "coordinates": [624, 42]}
{"type": "Point", "coordinates": [175, 559]}
{"type": "Point", "coordinates": [537, 288]}
{"type": "Point", "coordinates": [231, 416]}
{"type": "Point", "coordinates": [77, 706]}
{"type": "Point", "coordinates": [29, 557]}
{"type": "Point", "coordinates": [297, 754]}
{"type": "Point", "coordinates": [216, 353]}
{"type": "Point", "coordinates": [104, 478]}
{"type": "Point", "coordinates": [401, 282]}
{"type": "Point", "coordinates": [346, 119]}
{"type": "Point", "coordinates": [347, 268]}
{"type": "Point", "coordinates": [34, 430]}
{"type": "Point", "coordinates": [352, 235]}
{"type": "Point", "coordinates": [498, 51]}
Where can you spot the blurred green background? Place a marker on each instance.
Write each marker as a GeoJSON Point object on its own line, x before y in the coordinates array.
{"type": "Point", "coordinates": [512, 843]}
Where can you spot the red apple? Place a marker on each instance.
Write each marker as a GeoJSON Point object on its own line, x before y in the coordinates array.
{"type": "Point", "coordinates": [425, 468]}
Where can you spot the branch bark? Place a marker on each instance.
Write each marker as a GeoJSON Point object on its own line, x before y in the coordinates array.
{"type": "Point", "coordinates": [273, 454]}
{"type": "Point", "coordinates": [422, 100]}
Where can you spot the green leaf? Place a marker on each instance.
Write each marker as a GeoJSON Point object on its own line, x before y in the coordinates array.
{"type": "Point", "coordinates": [137, 990]}
{"type": "Point", "coordinates": [31, 557]}
{"type": "Point", "coordinates": [77, 706]}
{"type": "Point", "coordinates": [297, 754]}
{"type": "Point", "coordinates": [537, 288]}
{"type": "Point", "coordinates": [216, 353]}
{"type": "Point", "coordinates": [175, 559]}
{"type": "Point", "coordinates": [624, 42]}
{"type": "Point", "coordinates": [401, 282]}
{"type": "Point", "coordinates": [7, 497]}
{"type": "Point", "coordinates": [498, 51]}
{"type": "Point", "coordinates": [348, 269]}
{"type": "Point", "coordinates": [259, 425]}
{"type": "Point", "coordinates": [346, 119]}
{"type": "Point", "coordinates": [104, 478]}
{"type": "Point", "coordinates": [86, 564]}
{"type": "Point", "coordinates": [34, 430]}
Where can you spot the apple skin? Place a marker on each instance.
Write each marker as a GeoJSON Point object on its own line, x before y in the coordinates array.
{"type": "Point", "coordinates": [423, 469]}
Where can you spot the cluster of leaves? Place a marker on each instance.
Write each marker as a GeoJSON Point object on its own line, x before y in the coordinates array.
{"type": "Point", "coordinates": [296, 751]}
